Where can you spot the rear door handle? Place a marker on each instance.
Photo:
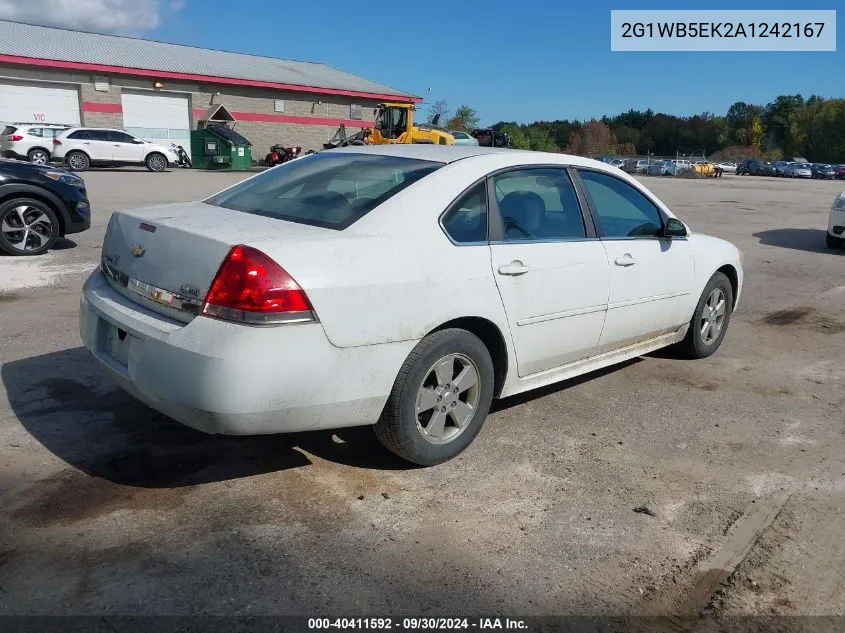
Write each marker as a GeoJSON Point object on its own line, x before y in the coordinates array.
{"type": "Point", "coordinates": [625, 260]}
{"type": "Point", "coordinates": [514, 268]}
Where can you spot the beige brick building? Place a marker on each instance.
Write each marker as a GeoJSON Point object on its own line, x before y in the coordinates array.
{"type": "Point", "coordinates": [160, 91]}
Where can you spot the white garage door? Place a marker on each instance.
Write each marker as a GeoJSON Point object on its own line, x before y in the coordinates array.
{"type": "Point", "coordinates": [157, 117]}
{"type": "Point", "coordinates": [25, 102]}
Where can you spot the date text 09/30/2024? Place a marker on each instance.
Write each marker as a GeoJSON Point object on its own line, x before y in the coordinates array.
{"type": "Point", "coordinates": [416, 624]}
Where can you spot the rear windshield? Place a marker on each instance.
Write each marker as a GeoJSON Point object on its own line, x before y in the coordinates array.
{"type": "Point", "coordinates": [331, 190]}
{"type": "Point", "coordinates": [9, 129]}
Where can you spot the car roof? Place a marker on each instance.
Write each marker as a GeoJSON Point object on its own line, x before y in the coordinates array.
{"type": "Point", "coordinates": [426, 151]}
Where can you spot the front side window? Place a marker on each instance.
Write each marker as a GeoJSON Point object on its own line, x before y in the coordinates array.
{"type": "Point", "coordinates": [120, 137]}
{"type": "Point", "coordinates": [538, 204]}
{"type": "Point", "coordinates": [327, 190]}
{"type": "Point", "coordinates": [466, 220]}
{"type": "Point", "coordinates": [621, 209]}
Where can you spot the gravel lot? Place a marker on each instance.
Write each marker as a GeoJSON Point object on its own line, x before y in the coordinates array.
{"type": "Point", "coordinates": [109, 508]}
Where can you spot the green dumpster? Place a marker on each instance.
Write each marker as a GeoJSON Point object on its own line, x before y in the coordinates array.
{"type": "Point", "coordinates": [217, 146]}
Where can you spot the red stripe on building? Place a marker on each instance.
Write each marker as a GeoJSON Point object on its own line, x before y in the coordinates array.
{"type": "Point", "coordinates": [163, 74]}
{"type": "Point", "coordinates": [261, 117]}
{"type": "Point", "coordinates": [109, 108]}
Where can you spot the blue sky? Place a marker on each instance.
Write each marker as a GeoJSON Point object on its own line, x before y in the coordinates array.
{"type": "Point", "coordinates": [513, 60]}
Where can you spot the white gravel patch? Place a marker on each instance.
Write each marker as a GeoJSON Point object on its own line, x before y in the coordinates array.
{"type": "Point", "coordinates": [23, 273]}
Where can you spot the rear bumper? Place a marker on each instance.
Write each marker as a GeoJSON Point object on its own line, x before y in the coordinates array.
{"type": "Point", "coordinates": [226, 378]}
{"type": "Point", "coordinates": [9, 153]}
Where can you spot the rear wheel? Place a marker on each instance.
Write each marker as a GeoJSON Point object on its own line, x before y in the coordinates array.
{"type": "Point", "coordinates": [711, 318]}
{"type": "Point", "coordinates": [38, 156]}
{"type": "Point", "coordinates": [834, 242]}
{"type": "Point", "coordinates": [440, 398]}
{"type": "Point", "coordinates": [27, 227]}
{"type": "Point", "coordinates": [156, 162]}
{"type": "Point", "coordinates": [78, 161]}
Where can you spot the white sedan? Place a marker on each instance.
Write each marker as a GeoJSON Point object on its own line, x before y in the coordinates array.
{"type": "Point", "coordinates": [728, 168]}
{"type": "Point", "coordinates": [404, 286]}
{"type": "Point", "coordinates": [835, 236]}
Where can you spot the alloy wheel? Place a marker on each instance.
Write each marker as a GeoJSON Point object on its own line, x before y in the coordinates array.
{"type": "Point", "coordinates": [26, 228]}
{"type": "Point", "coordinates": [39, 158]}
{"type": "Point", "coordinates": [713, 316]}
{"type": "Point", "coordinates": [447, 398]}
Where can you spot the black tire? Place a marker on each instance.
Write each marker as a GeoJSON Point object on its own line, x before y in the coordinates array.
{"type": "Point", "coordinates": [400, 427]}
{"type": "Point", "coordinates": [834, 242]}
{"type": "Point", "coordinates": [694, 345]}
{"type": "Point", "coordinates": [156, 162]}
{"type": "Point", "coordinates": [77, 161]}
{"type": "Point", "coordinates": [11, 242]}
{"type": "Point", "coordinates": [39, 156]}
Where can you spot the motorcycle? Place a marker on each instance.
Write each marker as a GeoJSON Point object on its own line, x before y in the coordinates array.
{"type": "Point", "coordinates": [280, 154]}
{"type": "Point", "coordinates": [182, 155]}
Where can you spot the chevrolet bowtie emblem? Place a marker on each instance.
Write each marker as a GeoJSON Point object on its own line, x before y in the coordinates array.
{"type": "Point", "coordinates": [137, 251]}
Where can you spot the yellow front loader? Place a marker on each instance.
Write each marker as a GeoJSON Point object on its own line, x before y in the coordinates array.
{"type": "Point", "coordinates": [395, 124]}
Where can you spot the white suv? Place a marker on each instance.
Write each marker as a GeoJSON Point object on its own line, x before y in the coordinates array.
{"type": "Point", "coordinates": [30, 141]}
{"type": "Point", "coordinates": [81, 148]}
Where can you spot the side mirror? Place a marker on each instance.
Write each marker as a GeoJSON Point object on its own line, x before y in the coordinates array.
{"type": "Point", "coordinates": [674, 228]}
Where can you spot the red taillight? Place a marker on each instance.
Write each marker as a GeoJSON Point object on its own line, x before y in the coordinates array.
{"type": "Point", "coordinates": [252, 288]}
{"type": "Point", "coordinates": [56, 141]}
{"type": "Point", "coordinates": [16, 137]}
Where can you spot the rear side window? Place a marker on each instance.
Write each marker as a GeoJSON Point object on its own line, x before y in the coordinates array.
{"type": "Point", "coordinates": [80, 134]}
{"type": "Point", "coordinates": [330, 190]}
{"type": "Point", "coordinates": [466, 221]}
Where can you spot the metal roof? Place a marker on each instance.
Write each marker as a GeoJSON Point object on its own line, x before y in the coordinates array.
{"type": "Point", "coordinates": [47, 43]}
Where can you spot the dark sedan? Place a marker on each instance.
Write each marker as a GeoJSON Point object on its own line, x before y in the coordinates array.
{"type": "Point", "coordinates": [744, 166]}
{"type": "Point", "coordinates": [40, 204]}
{"type": "Point", "coordinates": [762, 168]}
{"type": "Point", "coordinates": [822, 171]}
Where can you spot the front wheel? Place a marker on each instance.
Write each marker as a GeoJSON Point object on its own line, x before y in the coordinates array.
{"type": "Point", "coordinates": [710, 320]}
{"type": "Point", "coordinates": [156, 162]}
{"type": "Point", "coordinates": [27, 227]}
{"type": "Point", "coordinates": [440, 398]}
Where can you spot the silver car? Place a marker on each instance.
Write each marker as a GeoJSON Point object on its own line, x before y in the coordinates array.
{"type": "Point", "coordinates": [798, 170]}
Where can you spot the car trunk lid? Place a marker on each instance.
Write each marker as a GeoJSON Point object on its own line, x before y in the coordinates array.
{"type": "Point", "coordinates": [165, 258]}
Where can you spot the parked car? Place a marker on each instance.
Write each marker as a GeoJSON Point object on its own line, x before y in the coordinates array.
{"type": "Point", "coordinates": [798, 170]}
{"type": "Point", "coordinates": [839, 172]}
{"type": "Point", "coordinates": [617, 162]}
{"type": "Point", "coordinates": [661, 168]}
{"type": "Point", "coordinates": [82, 148]}
{"type": "Point", "coordinates": [780, 167]}
{"type": "Point", "coordinates": [193, 312]}
{"type": "Point", "coordinates": [40, 204]}
{"type": "Point", "coordinates": [744, 167]}
{"type": "Point", "coordinates": [462, 138]}
{"type": "Point", "coordinates": [682, 164]}
{"type": "Point", "coordinates": [27, 141]}
{"type": "Point", "coordinates": [836, 223]}
{"type": "Point", "coordinates": [823, 171]}
{"type": "Point", "coordinates": [728, 168]}
{"type": "Point", "coordinates": [762, 168]}
{"type": "Point", "coordinates": [636, 166]}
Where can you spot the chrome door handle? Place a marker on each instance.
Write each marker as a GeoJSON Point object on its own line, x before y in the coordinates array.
{"type": "Point", "coordinates": [85, 143]}
{"type": "Point", "coordinates": [514, 268]}
{"type": "Point", "coordinates": [625, 260]}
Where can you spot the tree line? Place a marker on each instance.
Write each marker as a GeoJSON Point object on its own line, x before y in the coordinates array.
{"type": "Point", "coordinates": [790, 126]}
